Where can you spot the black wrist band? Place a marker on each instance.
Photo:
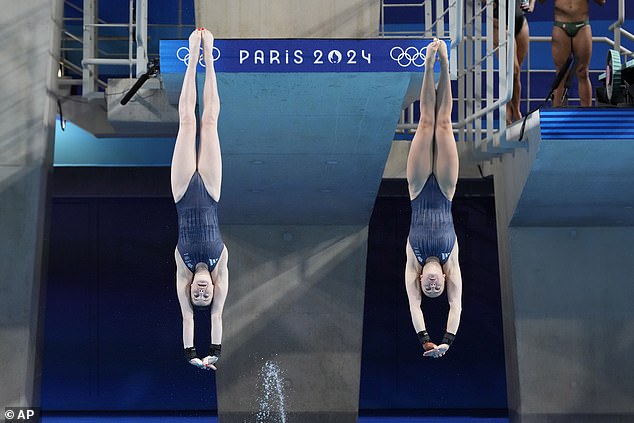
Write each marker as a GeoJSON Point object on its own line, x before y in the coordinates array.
{"type": "Point", "coordinates": [214, 349]}
{"type": "Point", "coordinates": [190, 353]}
{"type": "Point", "coordinates": [448, 338]}
{"type": "Point", "coordinates": [423, 337]}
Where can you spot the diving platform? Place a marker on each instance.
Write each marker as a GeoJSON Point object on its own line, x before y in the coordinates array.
{"type": "Point", "coordinates": [583, 174]}
{"type": "Point", "coordinates": [305, 123]}
{"type": "Point", "coordinates": [567, 309]}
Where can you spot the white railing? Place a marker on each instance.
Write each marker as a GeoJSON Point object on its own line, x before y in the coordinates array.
{"type": "Point", "coordinates": [434, 16]}
{"type": "Point", "coordinates": [482, 115]}
{"type": "Point", "coordinates": [472, 59]}
{"type": "Point", "coordinates": [617, 29]}
{"type": "Point", "coordinates": [93, 57]}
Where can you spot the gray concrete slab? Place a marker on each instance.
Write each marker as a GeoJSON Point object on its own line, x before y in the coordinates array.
{"type": "Point", "coordinates": [290, 18]}
{"type": "Point", "coordinates": [579, 183]}
{"type": "Point", "coordinates": [296, 301]}
{"type": "Point", "coordinates": [569, 318]}
{"type": "Point", "coordinates": [30, 35]}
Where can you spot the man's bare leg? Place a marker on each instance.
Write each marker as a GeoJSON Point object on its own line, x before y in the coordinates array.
{"type": "Point", "coordinates": [419, 160]}
{"type": "Point", "coordinates": [561, 49]}
{"type": "Point", "coordinates": [209, 159]}
{"type": "Point", "coordinates": [582, 49]}
{"type": "Point", "coordinates": [184, 157]}
{"type": "Point", "coordinates": [521, 50]}
{"type": "Point", "coordinates": [446, 152]}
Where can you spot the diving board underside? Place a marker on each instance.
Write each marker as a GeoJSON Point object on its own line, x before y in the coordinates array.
{"type": "Point", "coordinates": [320, 163]}
{"type": "Point", "coordinates": [297, 148]}
{"type": "Point", "coordinates": [570, 246]}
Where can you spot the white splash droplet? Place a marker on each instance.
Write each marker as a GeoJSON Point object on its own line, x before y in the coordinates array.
{"type": "Point", "coordinates": [272, 398]}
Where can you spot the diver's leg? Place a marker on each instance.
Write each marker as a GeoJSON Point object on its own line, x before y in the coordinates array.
{"type": "Point", "coordinates": [209, 159]}
{"type": "Point", "coordinates": [419, 160]}
{"type": "Point", "coordinates": [184, 157]}
{"type": "Point", "coordinates": [446, 151]}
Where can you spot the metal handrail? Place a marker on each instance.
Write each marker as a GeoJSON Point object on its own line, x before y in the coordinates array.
{"type": "Point", "coordinates": [616, 26]}
{"type": "Point", "coordinates": [426, 13]}
{"type": "Point", "coordinates": [137, 36]}
{"type": "Point", "coordinates": [77, 70]}
{"type": "Point", "coordinates": [474, 66]}
{"type": "Point", "coordinates": [456, 17]}
{"type": "Point", "coordinates": [597, 39]}
{"type": "Point", "coordinates": [508, 92]}
{"type": "Point", "coordinates": [470, 118]}
{"type": "Point", "coordinates": [454, 10]}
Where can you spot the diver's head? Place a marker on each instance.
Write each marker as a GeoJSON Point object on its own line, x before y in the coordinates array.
{"type": "Point", "coordinates": [432, 279]}
{"type": "Point", "coordinates": [202, 289]}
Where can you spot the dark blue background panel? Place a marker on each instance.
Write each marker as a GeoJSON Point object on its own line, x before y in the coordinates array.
{"type": "Point", "coordinates": [113, 327]}
{"type": "Point", "coordinates": [394, 375]}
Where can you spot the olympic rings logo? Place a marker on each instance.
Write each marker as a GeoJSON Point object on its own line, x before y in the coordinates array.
{"type": "Point", "coordinates": [409, 56]}
{"type": "Point", "coordinates": [183, 55]}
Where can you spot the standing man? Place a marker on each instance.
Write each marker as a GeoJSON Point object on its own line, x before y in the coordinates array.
{"type": "Point", "coordinates": [572, 35]}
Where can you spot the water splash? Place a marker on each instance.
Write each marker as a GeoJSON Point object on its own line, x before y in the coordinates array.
{"type": "Point", "coordinates": [272, 398]}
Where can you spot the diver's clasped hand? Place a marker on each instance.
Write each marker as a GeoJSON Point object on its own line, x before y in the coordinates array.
{"type": "Point", "coordinates": [437, 351]}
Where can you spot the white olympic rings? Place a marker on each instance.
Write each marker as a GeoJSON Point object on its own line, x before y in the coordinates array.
{"type": "Point", "coordinates": [408, 56]}
{"type": "Point", "coordinates": [183, 55]}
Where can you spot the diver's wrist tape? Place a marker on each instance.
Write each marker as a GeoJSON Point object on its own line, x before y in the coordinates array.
{"type": "Point", "coordinates": [190, 353]}
{"type": "Point", "coordinates": [214, 349]}
{"type": "Point", "coordinates": [423, 337]}
{"type": "Point", "coordinates": [448, 338]}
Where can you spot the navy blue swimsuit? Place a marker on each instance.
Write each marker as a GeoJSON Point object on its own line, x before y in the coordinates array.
{"type": "Point", "coordinates": [199, 239]}
{"type": "Point", "coordinates": [431, 231]}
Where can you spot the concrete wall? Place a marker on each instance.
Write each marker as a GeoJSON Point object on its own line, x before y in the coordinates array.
{"type": "Point", "coordinates": [569, 243]}
{"type": "Point", "coordinates": [289, 18]}
{"type": "Point", "coordinates": [295, 300]}
{"type": "Point", "coordinates": [510, 172]}
{"type": "Point", "coordinates": [574, 323]}
{"type": "Point", "coordinates": [566, 291]}
{"type": "Point", "coordinates": [30, 49]}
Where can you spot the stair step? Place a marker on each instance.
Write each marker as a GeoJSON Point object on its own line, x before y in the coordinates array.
{"type": "Point", "coordinates": [587, 123]}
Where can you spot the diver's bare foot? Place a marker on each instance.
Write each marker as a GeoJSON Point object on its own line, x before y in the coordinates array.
{"type": "Point", "coordinates": [208, 37]}
{"type": "Point", "coordinates": [432, 50]}
{"type": "Point", "coordinates": [208, 44]}
{"type": "Point", "coordinates": [194, 45]}
{"type": "Point", "coordinates": [442, 52]}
